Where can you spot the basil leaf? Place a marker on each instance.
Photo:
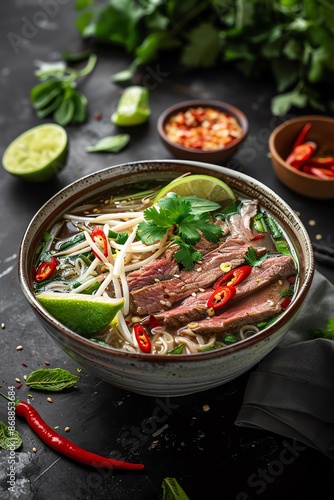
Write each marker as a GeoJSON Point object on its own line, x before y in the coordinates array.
{"type": "Point", "coordinates": [64, 114]}
{"type": "Point", "coordinates": [51, 379]}
{"type": "Point", "coordinates": [112, 144]}
{"type": "Point", "coordinates": [172, 490]}
{"type": "Point", "coordinates": [200, 205]}
{"type": "Point", "coordinates": [10, 439]}
{"type": "Point", "coordinates": [80, 107]}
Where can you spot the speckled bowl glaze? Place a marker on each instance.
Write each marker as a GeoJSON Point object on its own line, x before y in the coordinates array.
{"type": "Point", "coordinates": [165, 375]}
{"type": "Point", "coordinates": [219, 155]}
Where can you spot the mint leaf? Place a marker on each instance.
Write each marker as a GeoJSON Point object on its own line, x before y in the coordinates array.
{"type": "Point", "coordinates": [172, 490]}
{"type": "Point", "coordinates": [51, 379]}
{"type": "Point", "coordinates": [10, 439]}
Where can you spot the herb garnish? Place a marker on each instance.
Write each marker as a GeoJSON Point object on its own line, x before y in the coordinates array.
{"type": "Point", "coordinates": [10, 439]}
{"type": "Point", "coordinates": [186, 218]}
{"type": "Point", "coordinates": [327, 333]}
{"type": "Point", "coordinates": [253, 259]}
{"type": "Point", "coordinates": [57, 95]}
{"type": "Point", "coordinates": [111, 144]}
{"type": "Point", "coordinates": [172, 490]}
{"type": "Point", "coordinates": [51, 379]}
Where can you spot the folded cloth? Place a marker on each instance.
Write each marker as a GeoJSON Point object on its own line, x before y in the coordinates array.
{"type": "Point", "coordinates": [291, 393]}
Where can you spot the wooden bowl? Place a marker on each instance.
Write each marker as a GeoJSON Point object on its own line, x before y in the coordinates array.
{"type": "Point", "coordinates": [280, 144]}
{"type": "Point", "coordinates": [217, 156]}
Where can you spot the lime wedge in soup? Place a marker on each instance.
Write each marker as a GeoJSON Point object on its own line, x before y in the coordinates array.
{"type": "Point", "coordinates": [84, 314]}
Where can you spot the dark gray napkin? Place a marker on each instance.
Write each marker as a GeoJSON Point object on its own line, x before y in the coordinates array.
{"type": "Point", "coordinates": [291, 393]}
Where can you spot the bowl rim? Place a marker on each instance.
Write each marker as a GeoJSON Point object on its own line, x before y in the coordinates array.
{"type": "Point", "coordinates": [233, 110]}
{"type": "Point", "coordinates": [282, 126]}
{"type": "Point", "coordinates": [284, 317]}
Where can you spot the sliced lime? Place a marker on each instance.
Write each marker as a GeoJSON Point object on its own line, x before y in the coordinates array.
{"type": "Point", "coordinates": [133, 107]}
{"type": "Point", "coordinates": [84, 314]}
{"type": "Point", "coordinates": [38, 154]}
{"type": "Point", "coordinates": [203, 186]}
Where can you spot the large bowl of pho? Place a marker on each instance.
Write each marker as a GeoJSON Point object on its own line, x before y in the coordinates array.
{"type": "Point", "coordinates": [200, 290]}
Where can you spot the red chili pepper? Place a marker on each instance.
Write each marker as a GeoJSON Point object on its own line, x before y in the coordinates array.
{"type": "Point", "coordinates": [286, 302]}
{"type": "Point", "coordinates": [153, 321]}
{"type": "Point", "coordinates": [100, 238]}
{"type": "Point", "coordinates": [257, 237]}
{"type": "Point", "coordinates": [300, 154]}
{"type": "Point", "coordinates": [220, 298]}
{"type": "Point", "coordinates": [324, 161]}
{"type": "Point", "coordinates": [46, 269]}
{"type": "Point", "coordinates": [233, 277]}
{"type": "Point", "coordinates": [142, 338]}
{"type": "Point", "coordinates": [302, 135]}
{"type": "Point", "coordinates": [322, 173]}
{"type": "Point", "coordinates": [63, 445]}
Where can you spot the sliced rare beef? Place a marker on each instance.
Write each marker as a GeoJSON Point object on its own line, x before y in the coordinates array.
{"type": "Point", "coordinates": [195, 307]}
{"type": "Point", "coordinates": [240, 224]}
{"type": "Point", "coordinates": [162, 295]}
{"type": "Point", "coordinates": [261, 306]}
{"type": "Point", "coordinates": [159, 269]}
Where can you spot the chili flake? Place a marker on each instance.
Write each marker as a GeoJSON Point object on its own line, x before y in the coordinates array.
{"type": "Point", "coordinates": [203, 128]}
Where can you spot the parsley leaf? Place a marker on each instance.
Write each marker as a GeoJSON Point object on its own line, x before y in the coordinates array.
{"type": "Point", "coordinates": [252, 259]}
{"type": "Point", "coordinates": [186, 218]}
{"type": "Point", "coordinates": [186, 255]}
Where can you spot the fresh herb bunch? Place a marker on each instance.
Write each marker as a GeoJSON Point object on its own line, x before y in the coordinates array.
{"type": "Point", "coordinates": [326, 333]}
{"type": "Point", "coordinates": [57, 95]}
{"type": "Point", "coordinates": [185, 218]}
{"type": "Point", "coordinates": [292, 41]}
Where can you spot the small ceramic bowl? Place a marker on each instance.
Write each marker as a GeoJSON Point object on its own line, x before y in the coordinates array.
{"type": "Point", "coordinates": [280, 144]}
{"type": "Point", "coordinates": [217, 156]}
{"type": "Point", "coordinates": [165, 375]}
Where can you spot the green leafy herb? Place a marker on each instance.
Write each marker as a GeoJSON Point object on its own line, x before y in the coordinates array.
{"type": "Point", "coordinates": [10, 439]}
{"type": "Point", "coordinates": [287, 293]}
{"type": "Point", "coordinates": [57, 96]}
{"type": "Point", "coordinates": [253, 259]}
{"type": "Point", "coordinates": [112, 144]}
{"type": "Point", "coordinates": [232, 209]}
{"type": "Point", "coordinates": [230, 339]}
{"type": "Point", "coordinates": [290, 41]}
{"type": "Point", "coordinates": [282, 247]}
{"type": "Point", "coordinates": [327, 333]}
{"type": "Point", "coordinates": [186, 219]}
{"type": "Point", "coordinates": [172, 490]}
{"type": "Point", "coordinates": [51, 379]}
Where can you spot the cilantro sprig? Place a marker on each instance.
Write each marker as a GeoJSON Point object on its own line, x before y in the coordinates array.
{"type": "Point", "coordinates": [253, 259]}
{"type": "Point", "coordinates": [186, 218]}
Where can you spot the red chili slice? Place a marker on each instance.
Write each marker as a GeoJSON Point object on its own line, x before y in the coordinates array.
{"type": "Point", "coordinates": [300, 154]}
{"type": "Point", "coordinates": [142, 338]}
{"type": "Point", "coordinates": [302, 135]}
{"type": "Point", "coordinates": [233, 277]}
{"type": "Point", "coordinates": [322, 173]}
{"type": "Point", "coordinates": [153, 321]}
{"type": "Point", "coordinates": [46, 269]}
{"type": "Point", "coordinates": [220, 298]}
{"type": "Point", "coordinates": [100, 239]}
{"type": "Point", "coordinates": [286, 302]}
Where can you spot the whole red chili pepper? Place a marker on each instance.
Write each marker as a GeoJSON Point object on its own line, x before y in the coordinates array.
{"type": "Point", "coordinates": [220, 298]}
{"type": "Point", "coordinates": [63, 445]}
{"type": "Point", "coordinates": [100, 238]}
{"type": "Point", "coordinates": [233, 277]}
{"type": "Point", "coordinates": [142, 338]}
{"type": "Point", "coordinates": [46, 269]}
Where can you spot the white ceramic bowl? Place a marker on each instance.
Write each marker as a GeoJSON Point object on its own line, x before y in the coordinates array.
{"type": "Point", "coordinates": [165, 375]}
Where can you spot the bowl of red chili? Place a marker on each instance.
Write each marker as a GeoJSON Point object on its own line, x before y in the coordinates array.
{"type": "Point", "coordinates": [302, 154]}
{"type": "Point", "coordinates": [202, 130]}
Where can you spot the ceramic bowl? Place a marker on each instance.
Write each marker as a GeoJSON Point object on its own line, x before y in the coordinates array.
{"type": "Point", "coordinates": [280, 144]}
{"type": "Point", "coordinates": [217, 156]}
{"type": "Point", "coordinates": [165, 375]}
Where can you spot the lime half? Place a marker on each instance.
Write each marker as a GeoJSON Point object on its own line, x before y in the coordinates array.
{"type": "Point", "coordinates": [84, 314]}
{"type": "Point", "coordinates": [203, 186]}
{"type": "Point", "coordinates": [38, 154]}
